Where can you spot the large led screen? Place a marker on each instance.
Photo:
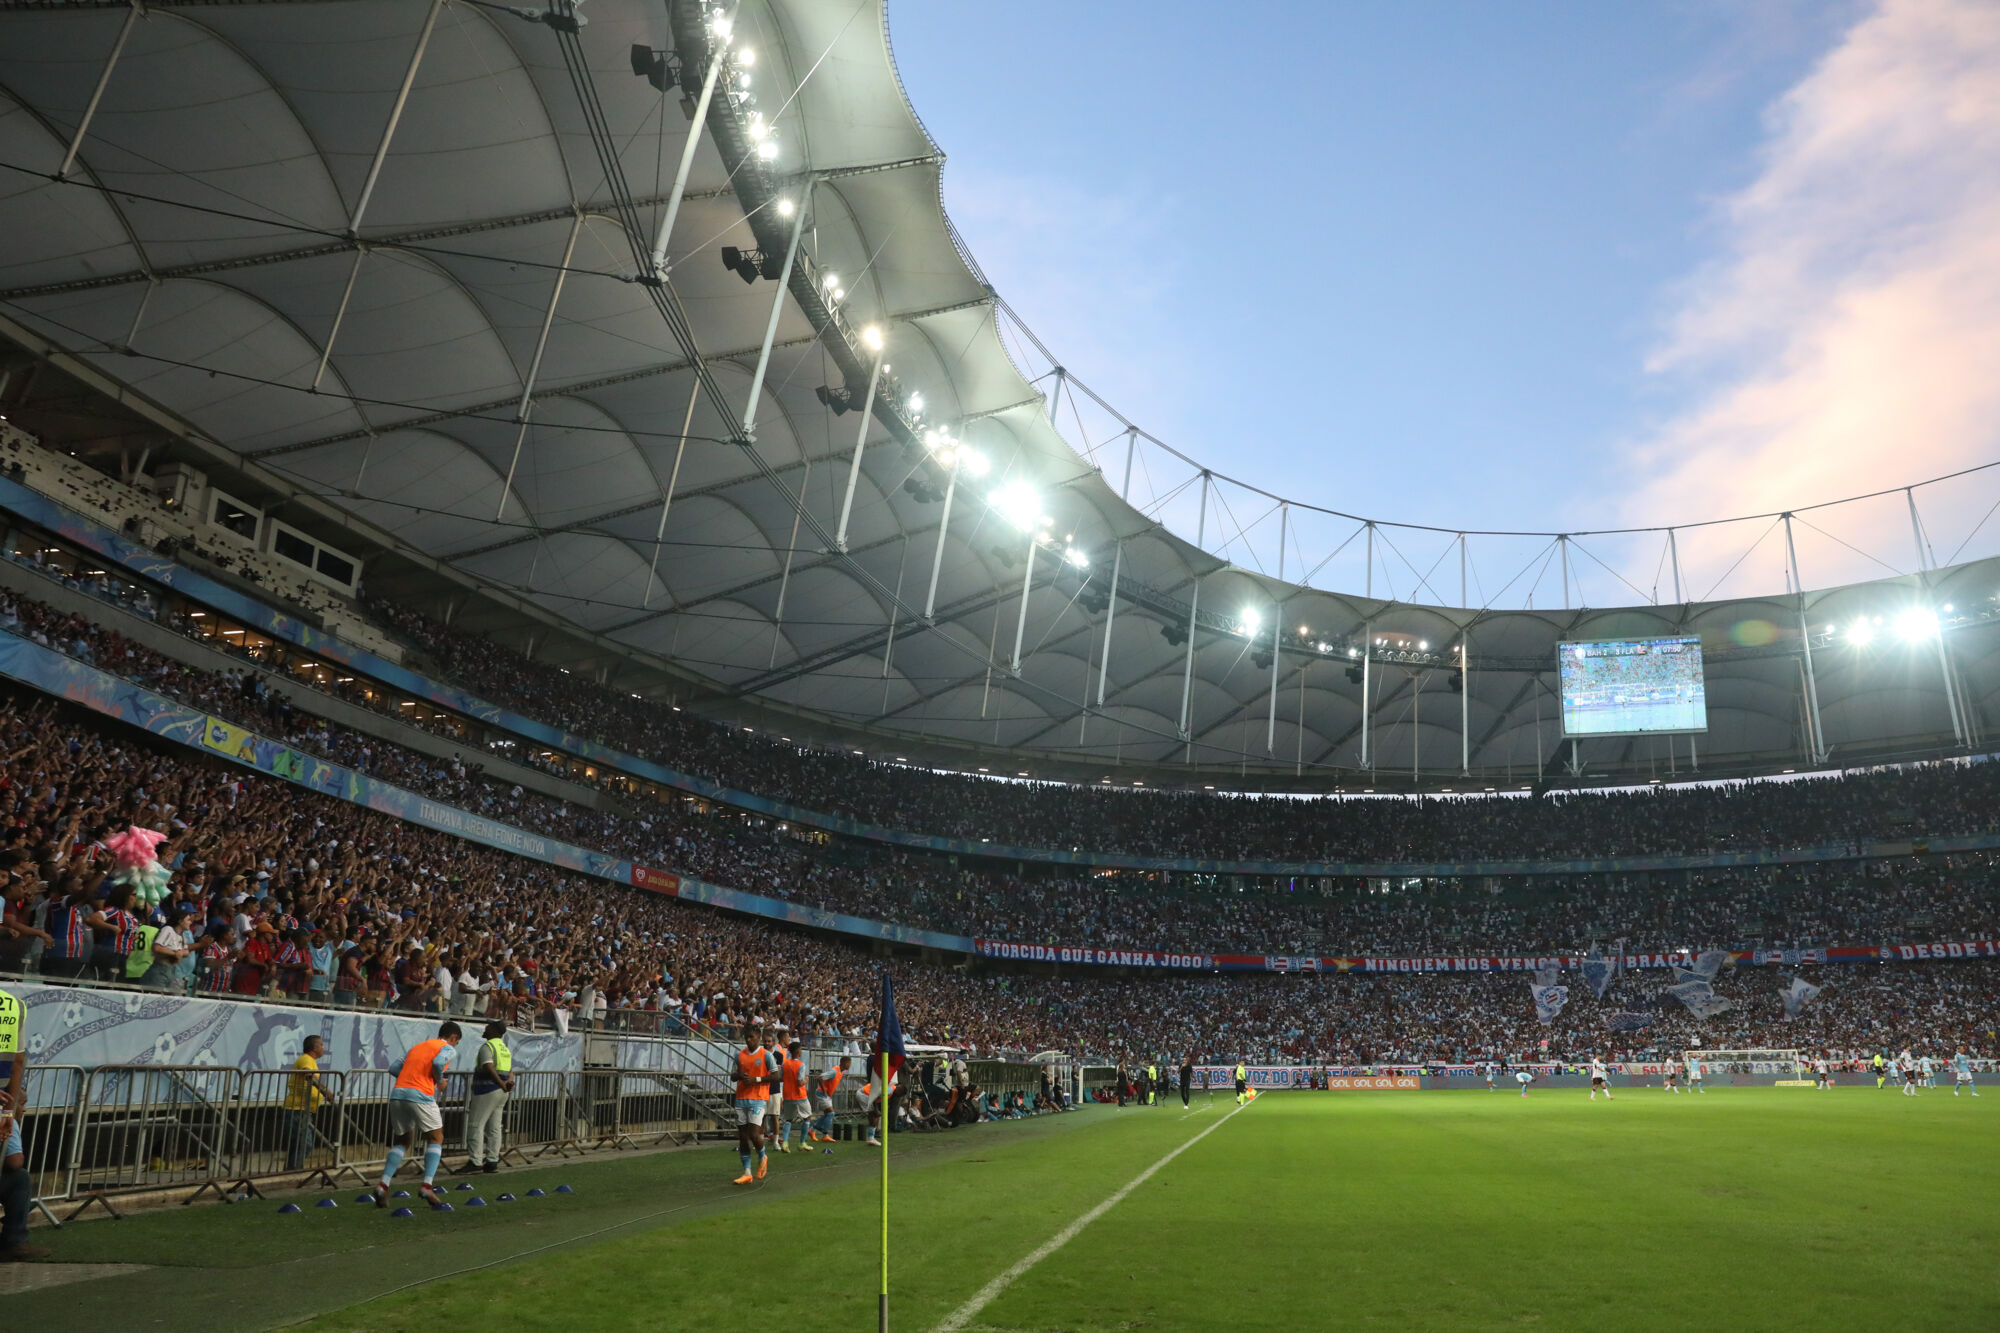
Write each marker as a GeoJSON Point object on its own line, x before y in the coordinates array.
{"type": "Point", "coordinates": [1624, 687]}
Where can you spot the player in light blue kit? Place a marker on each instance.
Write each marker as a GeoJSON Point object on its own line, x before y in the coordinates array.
{"type": "Point", "coordinates": [1693, 1064]}
{"type": "Point", "coordinates": [1961, 1070]}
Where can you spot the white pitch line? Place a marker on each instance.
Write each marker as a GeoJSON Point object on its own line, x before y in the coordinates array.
{"type": "Point", "coordinates": [987, 1294]}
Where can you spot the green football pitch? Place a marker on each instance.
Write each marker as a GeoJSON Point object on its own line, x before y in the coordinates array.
{"type": "Point", "coordinates": [1765, 1207]}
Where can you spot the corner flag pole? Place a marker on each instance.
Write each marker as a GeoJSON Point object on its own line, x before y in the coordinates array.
{"type": "Point", "coordinates": [883, 1299]}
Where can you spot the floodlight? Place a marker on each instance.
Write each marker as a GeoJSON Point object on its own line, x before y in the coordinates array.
{"type": "Point", "coordinates": [1917, 623]}
{"type": "Point", "coordinates": [1018, 504]}
{"type": "Point", "coordinates": [785, 207]}
{"type": "Point", "coordinates": [1860, 632]}
{"type": "Point", "coordinates": [759, 131]}
{"type": "Point", "coordinates": [974, 462]}
{"type": "Point", "coordinates": [872, 336]}
{"type": "Point", "coordinates": [1076, 558]}
{"type": "Point", "coordinates": [830, 281]}
{"type": "Point", "coordinates": [767, 151]}
{"type": "Point", "coordinates": [746, 57]}
{"type": "Point", "coordinates": [1250, 621]}
{"type": "Point", "coordinates": [916, 402]}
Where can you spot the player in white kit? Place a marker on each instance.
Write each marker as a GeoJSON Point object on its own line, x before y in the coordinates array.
{"type": "Point", "coordinates": [1906, 1064]}
{"type": "Point", "coordinates": [1600, 1079]}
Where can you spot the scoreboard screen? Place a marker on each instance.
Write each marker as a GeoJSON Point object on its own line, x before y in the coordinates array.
{"type": "Point", "coordinates": [1625, 687]}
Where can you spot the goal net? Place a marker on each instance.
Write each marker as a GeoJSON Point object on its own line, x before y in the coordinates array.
{"type": "Point", "coordinates": [1780, 1061]}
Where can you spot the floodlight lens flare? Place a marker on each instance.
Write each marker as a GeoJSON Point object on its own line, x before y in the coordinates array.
{"type": "Point", "coordinates": [1861, 631]}
{"type": "Point", "coordinates": [785, 207]}
{"type": "Point", "coordinates": [1018, 504]}
{"type": "Point", "coordinates": [1917, 624]}
{"type": "Point", "coordinates": [872, 335]}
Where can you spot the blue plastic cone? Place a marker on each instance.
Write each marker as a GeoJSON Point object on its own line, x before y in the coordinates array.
{"type": "Point", "coordinates": [402, 1212]}
{"type": "Point", "coordinates": [291, 1208]}
{"type": "Point", "coordinates": [364, 1198]}
{"type": "Point", "coordinates": [564, 1189]}
{"type": "Point", "coordinates": [326, 1203]}
{"type": "Point", "coordinates": [441, 1208]}
{"type": "Point", "coordinates": [537, 1194]}
{"type": "Point", "coordinates": [466, 1188]}
{"type": "Point", "coordinates": [506, 1198]}
{"type": "Point", "coordinates": [475, 1202]}
{"type": "Point", "coordinates": [400, 1194]}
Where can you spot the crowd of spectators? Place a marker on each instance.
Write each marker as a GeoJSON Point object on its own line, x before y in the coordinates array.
{"type": "Point", "coordinates": [1797, 906]}
{"type": "Point", "coordinates": [282, 891]}
{"type": "Point", "coordinates": [1672, 820]}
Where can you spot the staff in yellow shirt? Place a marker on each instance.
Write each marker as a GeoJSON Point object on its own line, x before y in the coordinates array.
{"type": "Point", "coordinates": [304, 1096]}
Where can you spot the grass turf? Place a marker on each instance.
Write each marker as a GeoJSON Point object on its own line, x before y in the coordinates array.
{"type": "Point", "coordinates": [1758, 1206]}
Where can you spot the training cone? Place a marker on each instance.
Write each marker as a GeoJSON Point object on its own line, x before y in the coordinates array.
{"type": "Point", "coordinates": [441, 1208]}
{"type": "Point", "coordinates": [400, 1194]}
{"type": "Point", "coordinates": [466, 1188]}
{"type": "Point", "coordinates": [564, 1189]}
{"type": "Point", "coordinates": [475, 1202]}
{"type": "Point", "coordinates": [538, 1194]}
{"type": "Point", "coordinates": [506, 1198]}
{"type": "Point", "coordinates": [291, 1208]}
{"type": "Point", "coordinates": [326, 1203]}
{"type": "Point", "coordinates": [364, 1198]}
{"type": "Point", "coordinates": [402, 1212]}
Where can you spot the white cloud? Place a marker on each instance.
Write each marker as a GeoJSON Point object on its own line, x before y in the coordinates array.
{"type": "Point", "coordinates": [1849, 338]}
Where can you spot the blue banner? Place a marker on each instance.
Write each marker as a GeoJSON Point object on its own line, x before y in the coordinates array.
{"type": "Point", "coordinates": [75, 1025]}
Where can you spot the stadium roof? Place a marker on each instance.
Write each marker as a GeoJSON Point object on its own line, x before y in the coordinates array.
{"type": "Point", "coordinates": [390, 265]}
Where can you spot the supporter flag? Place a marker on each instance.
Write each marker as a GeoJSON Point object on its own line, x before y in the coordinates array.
{"type": "Point", "coordinates": [1797, 996]}
{"type": "Point", "coordinates": [1549, 1000]}
{"type": "Point", "coordinates": [1708, 1006]}
{"type": "Point", "coordinates": [1546, 976]}
{"type": "Point", "coordinates": [1708, 964]}
{"type": "Point", "coordinates": [1628, 1021]}
{"type": "Point", "coordinates": [1598, 973]}
{"type": "Point", "coordinates": [1688, 987]}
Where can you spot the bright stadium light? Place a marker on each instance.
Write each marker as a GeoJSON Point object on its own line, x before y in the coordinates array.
{"type": "Point", "coordinates": [785, 207]}
{"type": "Point", "coordinates": [1917, 624]}
{"type": "Point", "coordinates": [767, 151]}
{"type": "Point", "coordinates": [1861, 631]}
{"type": "Point", "coordinates": [746, 57]}
{"type": "Point", "coordinates": [872, 335]}
{"type": "Point", "coordinates": [1018, 504]}
{"type": "Point", "coordinates": [1251, 622]}
{"type": "Point", "coordinates": [1076, 558]}
{"type": "Point", "coordinates": [916, 402]}
{"type": "Point", "coordinates": [974, 462]}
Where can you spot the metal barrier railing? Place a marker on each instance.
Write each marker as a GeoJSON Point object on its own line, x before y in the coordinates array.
{"type": "Point", "coordinates": [289, 1122]}
{"type": "Point", "coordinates": [52, 1097]}
{"type": "Point", "coordinates": [149, 1127]}
{"type": "Point", "coordinates": [95, 1136]}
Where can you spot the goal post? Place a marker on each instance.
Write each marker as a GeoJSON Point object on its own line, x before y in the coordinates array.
{"type": "Point", "coordinates": [1780, 1062]}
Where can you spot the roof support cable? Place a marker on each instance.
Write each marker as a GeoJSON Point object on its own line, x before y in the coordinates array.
{"type": "Point", "coordinates": [97, 93]}
{"type": "Point", "coordinates": [526, 406]}
{"type": "Point", "coordinates": [395, 118]}
{"type": "Point", "coordinates": [657, 270]}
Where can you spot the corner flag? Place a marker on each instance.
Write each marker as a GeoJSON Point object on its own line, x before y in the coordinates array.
{"type": "Point", "coordinates": [886, 1059]}
{"type": "Point", "coordinates": [888, 1036]}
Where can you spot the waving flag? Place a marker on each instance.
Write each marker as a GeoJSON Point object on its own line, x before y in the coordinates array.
{"type": "Point", "coordinates": [1797, 996]}
{"type": "Point", "coordinates": [889, 1035]}
{"type": "Point", "coordinates": [1708, 1006]}
{"type": "Point", "coordinates": [1549, 1000]}
{"type": "Point", "coordinates": [1598, 973]}
{"type": "Point", "coordinates": [1628, 1021]}
{"type": "Point", "coordinates": [1710, 963]}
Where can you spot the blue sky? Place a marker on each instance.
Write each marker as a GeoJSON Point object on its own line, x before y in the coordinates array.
{"type": "Point", "coordinates": [1481, 264]}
